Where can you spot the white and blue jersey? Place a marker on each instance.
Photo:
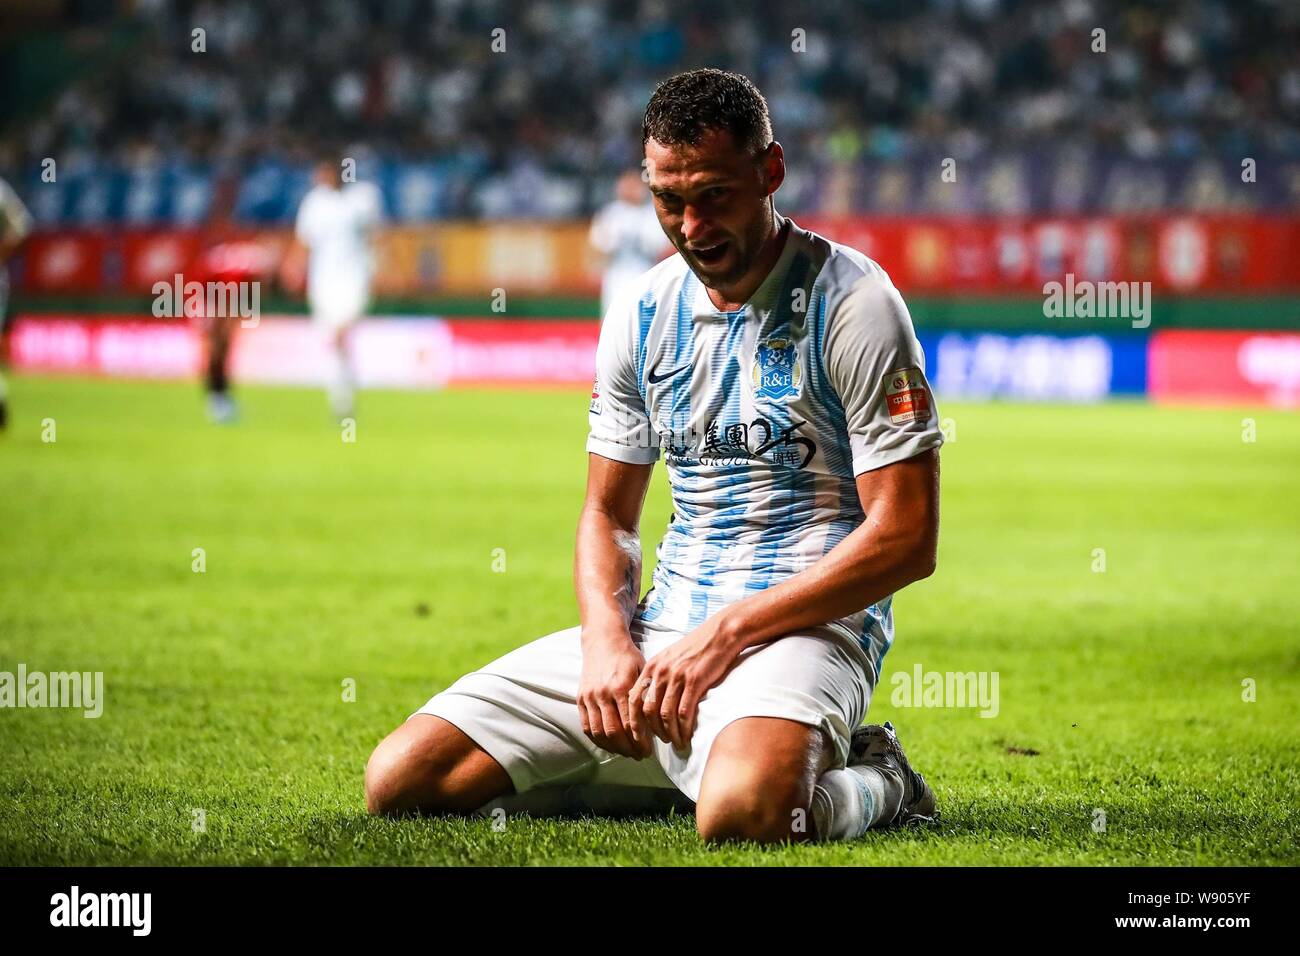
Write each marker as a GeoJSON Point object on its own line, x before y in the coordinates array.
{"type": "Point", "coordinates": [765, 416]}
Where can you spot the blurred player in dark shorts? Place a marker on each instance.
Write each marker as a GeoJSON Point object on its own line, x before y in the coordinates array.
{"type": "Point", "coordinates": [233, 260]}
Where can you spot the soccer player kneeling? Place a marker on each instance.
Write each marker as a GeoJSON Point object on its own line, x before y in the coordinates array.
{"type": "Point", "coordinates": [779, 375]}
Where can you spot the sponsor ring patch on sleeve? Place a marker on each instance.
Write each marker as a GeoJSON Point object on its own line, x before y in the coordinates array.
{"type": "Point", "coordinates": [595, 397]}
{"type": "Point", "coordinates": [906, 396]}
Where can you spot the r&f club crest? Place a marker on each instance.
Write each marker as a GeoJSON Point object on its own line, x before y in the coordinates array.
{"type": "Point", "coordinates": [777, 372]}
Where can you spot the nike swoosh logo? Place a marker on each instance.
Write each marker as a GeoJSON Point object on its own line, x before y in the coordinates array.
{"type": "Point", "coordinates": [656, 378]}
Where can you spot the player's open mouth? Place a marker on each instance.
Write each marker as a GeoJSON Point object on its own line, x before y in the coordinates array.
{"type": "Point", "coordinates": [711, 255]}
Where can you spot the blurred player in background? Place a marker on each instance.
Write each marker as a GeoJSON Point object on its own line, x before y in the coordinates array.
{"type": "Point", "coordinates": [627, 234]}
{"type": "Point", "coordinates": [231, 260]}
{"type": "Point", "coordinates": [333, 234]}
{"type": "Point", "coordinates": [15, 224]}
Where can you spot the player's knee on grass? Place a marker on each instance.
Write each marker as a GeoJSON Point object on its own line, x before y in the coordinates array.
{"type": "Point", "coordinates": [386, 781]}
{"type": "Point", "coordinates": [751, 807]}
{"type": "Point", "coordinates": [429, 765]}
{"type": "Point", "coordinates": [759, 780]}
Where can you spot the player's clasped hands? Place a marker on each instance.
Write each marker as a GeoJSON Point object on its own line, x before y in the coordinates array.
{"type": "Point", "coordinates": [666, 696]}
{"type": "Point", "coordinates": [609, 669]}
{"type": "Point", "coordinates": [626, 701]}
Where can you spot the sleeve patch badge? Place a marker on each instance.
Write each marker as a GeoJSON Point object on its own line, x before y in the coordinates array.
{"type": "Point", "coordinates": [595, 398]}
{"type": "Point", "coordinates": [906, 396]}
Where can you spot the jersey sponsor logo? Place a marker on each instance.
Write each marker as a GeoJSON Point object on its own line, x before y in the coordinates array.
{"type": "Point", "coordinates": [777, 370]}
{"type": "Point", "coordinates": [595, 397]}
{"type": "Point", "coordinates": [738, 443]}
{"type": "Point", "coordinates": [906, 397]}
{"type": "Point", "coordinates": [656, 376]}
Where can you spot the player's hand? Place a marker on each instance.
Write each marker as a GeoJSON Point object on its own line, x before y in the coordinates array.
{"type": "Point", "coordinates": [668, 692]}
{"type": "Point", "coordinates": [609, 669]}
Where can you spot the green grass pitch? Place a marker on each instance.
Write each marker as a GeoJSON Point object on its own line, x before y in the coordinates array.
{"type": "Point", "coordinates": [1120, 691]}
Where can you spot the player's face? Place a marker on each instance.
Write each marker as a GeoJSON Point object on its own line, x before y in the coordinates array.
{"type": "Point", "coordinates": [713, 203]}
{"type": "Point", "coordinates": [326, 174]}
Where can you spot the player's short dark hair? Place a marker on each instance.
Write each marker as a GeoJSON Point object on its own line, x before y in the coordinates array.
{"type": "Point", "coordinates": [685, 107]}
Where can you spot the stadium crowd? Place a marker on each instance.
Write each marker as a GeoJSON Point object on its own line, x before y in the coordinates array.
{"type": "Point", "coordinates": [538, 120]}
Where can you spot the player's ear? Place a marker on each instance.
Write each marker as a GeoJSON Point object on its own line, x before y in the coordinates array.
{"type": "Point", "coordinates": [773, 164]}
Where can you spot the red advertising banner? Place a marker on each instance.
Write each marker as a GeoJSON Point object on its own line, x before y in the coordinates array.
{"type": "Point", "coordinates": [64, 262]}
{"type": "Point", "coordinates": [158, 256]}
{"type": "Point", "coordinates": [131, 260]}
{"type": "Point", "coordinates": [1225, 367]}
{"type": "Point", "coordinates": [127, 346]}
{"type": "Point", "coordinates": [553, 352]}
{"type": "Point", "coordinates": [398, 352]}
{"type": "Point", "coordinates": [422, 352]}
{"type": "Point", "coordinates": [1178, 255]}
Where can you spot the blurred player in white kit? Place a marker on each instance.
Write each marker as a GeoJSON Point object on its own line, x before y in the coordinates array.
{"type": "Point", "coordinates": [628, 236]}
{"type": "Point", "coordinates": [335, 225]}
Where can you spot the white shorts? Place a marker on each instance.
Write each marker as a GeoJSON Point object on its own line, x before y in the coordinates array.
{"type": "Point", "coordinates": [522, 708]}
{"type": "Point", "coordinates": [339, 306]}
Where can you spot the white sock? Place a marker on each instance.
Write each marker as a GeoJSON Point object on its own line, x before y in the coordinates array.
{"type": "Point", "coordinates": [340, 387]}
{"type": "Point", "coordinates": [848, 802]}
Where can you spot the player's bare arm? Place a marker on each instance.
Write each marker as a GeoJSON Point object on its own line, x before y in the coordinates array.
{"type": "Point", "coordinates": [894, 546]}
{"type": "Point", "coordinates": [293, 267]}
{"type": "Point", "coordinates": [607, 579]}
